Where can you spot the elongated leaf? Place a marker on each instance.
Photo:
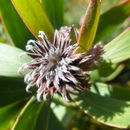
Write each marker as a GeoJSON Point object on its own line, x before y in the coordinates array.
{"type": "Point", "coordinates": [43, 119]}
{"type": "Point", "coordinates": [107, 5]}
{"type": "Point", "coordinates": [89, 26]}
{"type": "Point", "coordinates": [47, 119]}
{"type": "Point", "coordinates": [118, 49]}
{"type": "Point", "coordinates": [1, 39]}
{"type": "Point", "coordinates": [113, 91]}
{"type": "Point", "coordinates": [64, 114]}
{"type": "Point", "coordinates": [55, 11]}
{"type": "Point", "coordinates": [10, 60]}
{"type": "Point", "coordinates": [34, 17]}
{"type": "Point", "coordinates": [56, 108]}
{"type": "Point", "coordinates": [110, 111]}
{"type": "Point", "coordinates": [14, 25]}
{"type": "Point", "coordinates": [8, 115]}
{"type": "Point", "coordinates": [54, 123]}
{"type": "Point", "coordinates": [11, 90]}
{"type": "Point", "coordinates": [110, 20]}
{"type": "Point", "coordinates": [106, 72]}
{"type": "Point", "coordinates": [28, 116]}
{"type": "Point", "coordinates": [2, 35]}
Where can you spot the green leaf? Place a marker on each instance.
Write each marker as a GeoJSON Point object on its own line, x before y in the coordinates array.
{"type": "Point", "coordinates": [118, 49]}
{"type": "Point", "coordinates": [34, 17]}
{"type": "Point", "coordinates": [28, 116]}
{"type": "Point", "coordinates": [8, 115]}
{"type": "Point", "coordinates": [14, 25]}
{"type": "Point", "coordinates": [89, 25]}
{"type": "Point", "coordinates": [44, 115]}
{"type": "Point", "coordinates": [113, 91]}
{"type": "Point", "coordinates": [11, 90]}
{"type": "Point", "coordinates": [11, 61]}
{"type": "Point", "coordinates": [59, 110]}
{"type": "Point", "coordinates": [111, 19]}
{"type": "Point", "coordinates": [106, 5]}
{"type": "Point", "coordinates": [55, 11]}
{"type": "Point", "coordinates": [54, 123]}
{"type": "Point", "coordinates": [109, 111]}
{"type": "Point", "coordinates": [2, 34]}
{"type": "Point", "coordinates": [63, 114]}
{"type": "Point", "coordinates": [106, 72]}
{"type": "Point", "coordinates": [47, 120]}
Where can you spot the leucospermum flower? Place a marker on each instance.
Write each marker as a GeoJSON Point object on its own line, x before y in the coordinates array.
{"type": "Point", "coordinates": [56, 67]}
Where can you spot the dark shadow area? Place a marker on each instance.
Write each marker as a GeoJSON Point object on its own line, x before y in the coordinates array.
{"type": "Point", "coordinates": [112, 91]}
{"type": "Point", "coordinates": [11, 90]}
{"type": "Point", "coordinates": [105, 69]}
{"type": "Point", "coordinates": [102, 107]}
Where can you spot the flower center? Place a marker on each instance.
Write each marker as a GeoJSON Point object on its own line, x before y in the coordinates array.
{"type": "Point", "coordinates": [53, 60]}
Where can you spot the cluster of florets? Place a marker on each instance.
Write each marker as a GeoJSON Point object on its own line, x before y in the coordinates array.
{"type": "Point", "coordinates": [56, 67]}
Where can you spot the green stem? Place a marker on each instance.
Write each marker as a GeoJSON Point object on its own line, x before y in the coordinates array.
{"type": "Point", "coordinates": [22, 111]}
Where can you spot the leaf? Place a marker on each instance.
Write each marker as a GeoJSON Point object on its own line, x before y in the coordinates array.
{"type": "Point", "coordinates": [2, 35]}
{"type": "Point", "coordinates": [59, 110]}
{"type": "Point", "coordinates": [109, 111]}
{"type": "Point", "coordinates": [44, 116]}
{"type": "Point", "coordinates": [89, 25]}
{"type": "Point", "coordinates": [55, 11]}
{"type": "Point", "coordinates": [113, 91]}
{"type": "Point", "coordinates": [63, 114]}
{"type": "Point", "coordinates": [110, 20]}
{"type": "Point", "coordinates": [118, 49]}
{"type": "Point", "coordinates": [106, 5]}
{"type": "Point", "coordinates": [28, 116]}
{"type": "Point", "coordinates": [11, 111]}
{"type": "Point", "coordinates": [11, 61]}
{"type": "Point", "coordinates": [11, 90]}
{"type": "Point", "coordinates": [106, 72]}
{"type": "Point", "coordinates": [34, 17]}
{"type": "Point", "coordinates": [54, 123]}
{"type": "Point", "coordinates": [14, 25]}
{"type": "Point", "coordinates": [48, 120]}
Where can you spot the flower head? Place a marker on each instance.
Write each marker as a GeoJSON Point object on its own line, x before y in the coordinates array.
{"type": "Point", "coordinates": [56, 67]}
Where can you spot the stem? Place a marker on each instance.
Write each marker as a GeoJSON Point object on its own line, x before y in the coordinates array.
{"type": "Point", "coordinates": [22, 111]}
